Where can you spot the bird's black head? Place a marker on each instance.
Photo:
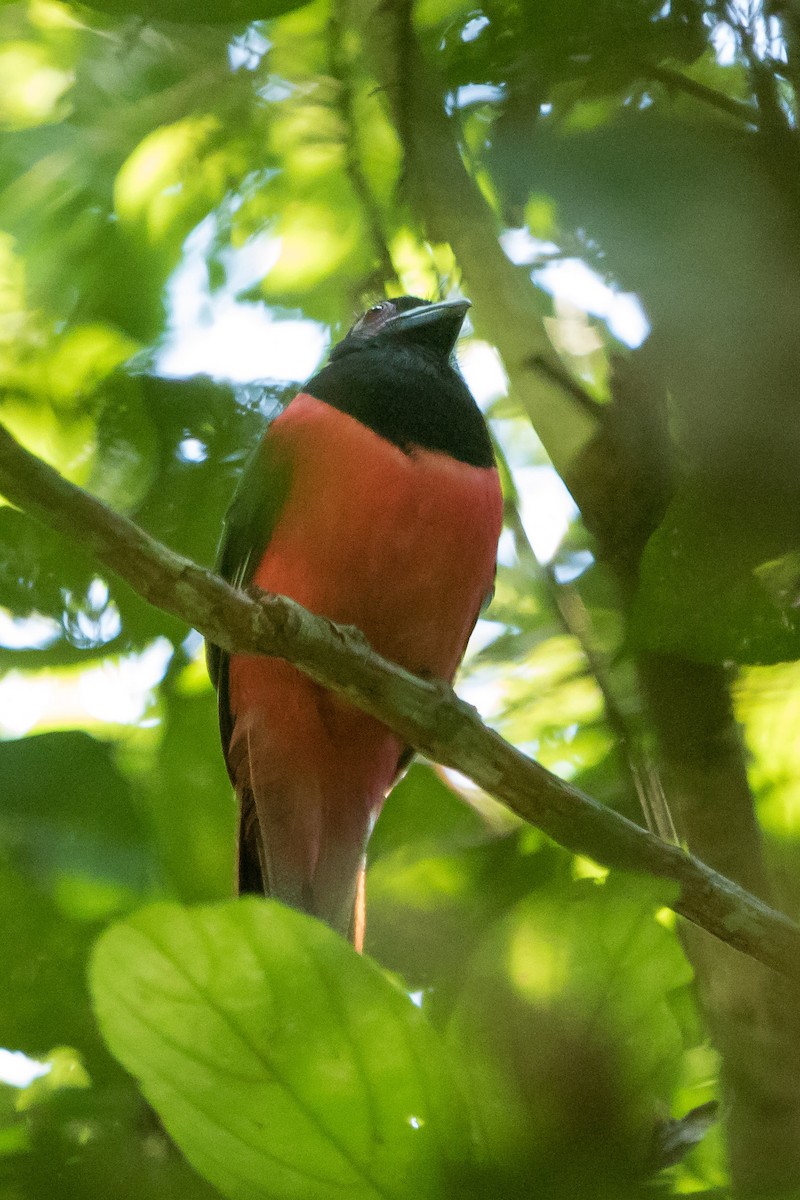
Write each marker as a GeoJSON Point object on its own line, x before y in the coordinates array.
{"type": "Point", "coordinates": [395, 372]}
{"type": "Point", "coordinates": [407, 321]}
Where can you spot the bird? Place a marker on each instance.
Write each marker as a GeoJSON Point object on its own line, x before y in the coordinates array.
{"type": "Point", "coordinates": [372, 499]}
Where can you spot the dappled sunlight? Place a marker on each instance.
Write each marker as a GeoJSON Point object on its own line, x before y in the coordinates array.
{"type": "Point", "coordinates": [80, 360]}
{"type": "Point", "coordinates": [546, 508]}
{"type": "Point", "coordinates": [121, 693]}
{"type": "Point", "coordinates": [169, 173]}
{"type": "Point", "coordinates": [18, 1070]}
{"type": "Point", "coordinates": [768, 705]}
{"type": "Point", "coordinates": [242, 342]}
{"type": "Point", "coordinates": [90, 619]}
{"type": "Point", "coordinates": [213, 332]}
{"type": "Point", "coordinates": [312, 244]}
{"type": "Point", "coordinates": [481, 366]}
{"type": "Point", "coordinates": [28, 633]}
{"type": "Point", "coordinates": [425, 882]}
{"type": "Point", "coordinates": [536, 965]}
{"type": "Point", "coordinates": [569, 279]}
{"type": "Point", "coordinates": [115, 693]}
{"type": "Point", "coordinates": [421, 269]}
{"type": "Point", "coordinates": [68, 444]}
{"type": "Point", "coordinates": [578, 289]}
{"type": "Point", "coordinates": [64, 1069]}
{"type": "Point", "coordinates": [543, 701]}
{"type": "Point", "coordinates": [33, 86]}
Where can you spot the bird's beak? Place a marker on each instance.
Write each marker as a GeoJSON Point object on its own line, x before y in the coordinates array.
{"type": "Point", "coordinates": [435, 326]}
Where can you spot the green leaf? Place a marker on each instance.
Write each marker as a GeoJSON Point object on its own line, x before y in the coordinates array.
{"type": "Point", "coordinates": [206, 12]}
{"type": "Point", "coordinates": [193, 840]}
{"type": "Point", "coordinates": [716, 579]}
{"type": "Point", "coordinates": [77, 823]}
{"type": "Point", "coordinates": [427, 912]}
{"type": "Point", "coordinates": [566, 1026]}
{"type": "Point", "coordinates": [44, 1001]}
{"type": "Point", "coordinates": [282, 1063]}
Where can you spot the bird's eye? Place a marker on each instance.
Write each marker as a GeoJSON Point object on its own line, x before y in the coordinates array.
{"type": "Point", "coordinates": [374, 314]}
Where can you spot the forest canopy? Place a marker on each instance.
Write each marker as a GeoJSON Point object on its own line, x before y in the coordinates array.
{"type": "Point", "coordinates": [196, 201]}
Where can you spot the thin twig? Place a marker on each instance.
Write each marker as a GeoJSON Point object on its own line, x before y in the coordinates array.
{"type": "Point", "coordinates": [677, 81]}
{"type": "Point", "coordinates": [572, 614]}
{"type": "Point", "coordinates": [644, 775]}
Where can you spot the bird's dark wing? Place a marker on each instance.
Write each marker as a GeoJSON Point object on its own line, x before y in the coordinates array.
{"type": "Point", "coordinates": [249, 523]}
{"type": "Point", "coordinates": [248, 526]}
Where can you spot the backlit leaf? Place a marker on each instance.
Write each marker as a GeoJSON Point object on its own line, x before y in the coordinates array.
{"type": "Point", "coordinates": [282, 1063]}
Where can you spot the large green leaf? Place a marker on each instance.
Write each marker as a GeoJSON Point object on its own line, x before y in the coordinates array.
{"type": "Point", "coordinates": [282, 1063]}
{"type": "Point", "coordinates": [79, 822]}
{"type": "Point", "coordinates": [427, 911]}
{"type": "Point", "coordinates": [716, 579]}
{"type": "Point", "coordinates": [569, 1032]}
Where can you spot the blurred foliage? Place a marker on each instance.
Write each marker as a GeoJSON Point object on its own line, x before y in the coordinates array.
{"type": "Point", "coordinates": [169, 171]}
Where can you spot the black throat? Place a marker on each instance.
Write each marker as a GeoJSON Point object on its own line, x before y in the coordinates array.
{"type": "Point", "coordinates": [409, 396]}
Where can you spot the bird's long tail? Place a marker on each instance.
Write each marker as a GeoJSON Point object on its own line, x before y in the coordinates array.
{"type": "Point", "coordinates": [297, 845]}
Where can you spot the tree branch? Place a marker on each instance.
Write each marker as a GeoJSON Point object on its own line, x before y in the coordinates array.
{"type": "Point", "coordinates": [676, 81]}
{"type": "Point", "coordinates": [429, 716]}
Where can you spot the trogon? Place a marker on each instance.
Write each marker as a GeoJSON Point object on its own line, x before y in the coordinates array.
{"type": "Point", "coordinates": [373, 499]}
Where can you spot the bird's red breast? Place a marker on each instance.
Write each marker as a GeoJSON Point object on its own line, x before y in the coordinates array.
{"type": "Point", "coordinates": [401, 545]}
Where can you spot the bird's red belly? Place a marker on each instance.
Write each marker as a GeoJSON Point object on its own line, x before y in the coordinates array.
{"type": "Point", "coordinates": [400, 545]}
